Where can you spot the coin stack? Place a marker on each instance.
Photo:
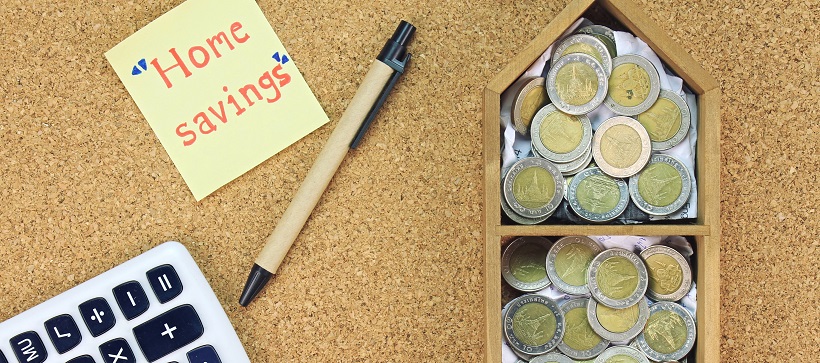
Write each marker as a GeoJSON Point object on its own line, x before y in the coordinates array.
{"type": "Point", "coordinates": [619, 305]}
{"type": "Point", "coordinates": [586, 72]}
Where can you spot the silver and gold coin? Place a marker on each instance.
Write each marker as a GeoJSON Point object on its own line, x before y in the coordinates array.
{"type": "Point", "coordinates": [533, 324]}
{"type": "Point", "coordinates": [533, 187]}
{"type": "Point", "coordinates": [634, 85]}
{"type": "Point", "coordinates": [622, 354]}
{"type": "Point", "coordinates": [580, 341]}
{"type": "Point", "coordinates": [670, 277]}
{"type": "Point", "coordinates": [585, 44]}
{"type": "Point", "coordinates": [662, 187]}
{"type": "Point", "coordinates": [617, 278]}
{"type": "Point", "coordinates": [530, 96]}
{"type": "Point", "coordinates": [577, 84]}
{"type": "Point", "coordinates": [617, 325]}
{"type": "Point", "coordinates": [560, 137]}
{"type": "Point", "coordinates": [567, 263]}
{"type": "Point", "coordinates": [597, 197]}
{"type": "Point", "coordinates": [621, 147]}
{"type": "Point", "coordinates": [669, 333]}
{"type": "Point", "coordinates": [517, 218]}
{"type": "Point", "coordinates": [604, 34]}
{"type": "Point", "coordinates": [552, 357]}
{"type": "Point", "coordinates": [667, 121]}
{"type": "Point", "coordinates": [523, 263]}
{"type": "Point", "coordinates": [575, 167]}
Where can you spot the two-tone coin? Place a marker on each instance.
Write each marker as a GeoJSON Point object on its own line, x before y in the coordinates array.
{"type": "Point", "coordinates": [552, 357]}
{"type": "Point", "coordinates": [580, 341]}
{"type": "Point", "coordinates": [670, 277]}
{"type": "Point", "coordinates": [530, 96]}
{"type": "Point", "coordinates": [669, 333]}
{"type": "Point", "coordinates": [621, 147]}
{"type": "Point", "coordinates": [585, 44]}
{"type": "Point", "coordinates": [523, 263]}
{"type": "Point", "coordinates": [604, 34]}
{"type": "Point", "coordinates": [662, 187]}
{"type": "Point", "coordinates": [622, 354]}
{"type": "Point", "coordinates": [560, 137]}
{"type": "Point", "coordinates": [617, 325]}
{"type": "Point", "coordinates": [634, 85]}
{"type": "Point", "coordinates": [597, 197]}
{"type": "Point", "coordinates": [533, 187]}
{"type": "Point", "coordinates": [517, 218]}
{"type": "Point", "coordinates": [567, 263]}
{"type": "Point", "coordinates": [575, 167]}
{"type": "Point", "coordinates": [667, 121]}
{"type": "Point", "coordinates": [617, 278]}
{"type": "Point", "coordinates": [533, 324]}
{"type": "Point", "coordinates": [577, 83]}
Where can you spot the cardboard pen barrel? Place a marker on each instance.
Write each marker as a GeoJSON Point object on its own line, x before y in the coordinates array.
{"type": "Point", "coordinates": [323, 169]}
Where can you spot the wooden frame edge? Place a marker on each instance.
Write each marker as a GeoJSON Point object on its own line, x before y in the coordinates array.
{"type": "Point", "coordinates": [708, 297]}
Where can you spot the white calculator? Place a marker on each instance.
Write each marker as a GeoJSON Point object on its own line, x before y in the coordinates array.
{"type": "Point", "coordinates": [156, 307]}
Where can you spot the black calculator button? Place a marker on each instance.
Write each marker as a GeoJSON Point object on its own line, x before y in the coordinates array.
{"type": "Point", "coordinates": [63, 332]}
{"type": "Point", "coordinates": [82, 359]}
{"type": "Point", "coordinates": [3, 358]}
{"type": "Point", "coordinates": [98, 316]}
{"type": "Point", "coordinates": [168, 332]}
{"type": "Point", "coordinates": [203, 354]}
{"type": "Point", "coordinates": [29, 348]}
{"type": "Point", "coordinates": [117, 351]}
{"type": "Point", "coordinates": [165, 282]}
{"type": "Point", "coordinates": [131, 299]}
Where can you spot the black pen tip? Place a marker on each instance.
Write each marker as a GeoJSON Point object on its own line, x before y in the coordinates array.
{"type": "Point", "coordinates": [256, 281]}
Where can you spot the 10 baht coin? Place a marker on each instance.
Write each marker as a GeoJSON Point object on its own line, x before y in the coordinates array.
{"type": "Point", "coordinates": [617, 278]}
{"type": "Point", "coordinates": [633, 86]}
{"type": "Point", "coordinates": [604, 34]}
{"type": "Point", "coordinates": [662, 187]}
{"type": "Point", "coordinates": [567, 263]}
{"type": "Point", "coordinates": [670, 277]}
{"type": "Point", "coordinates": [669, 333]}
{"type": "Point", "coordinates": [597, 197]}
{"type": "Point", "coordinates": [617, 325]}
{"type": "Point", "coordinates": [622, 354]}
{"type": "Point", "coordinates": [552, 357]}
{"type": "Point", "coordinates": [585, 44]}
{"type": "Point", "coordinates": [533, 324]}
{"type": "Point", "coordinates": [530, 96]}
{"type": "Point", "coordinates": [580, 340]}
{"type": "Point", "coordinates": [621, 147]}
{"type": "Point", "coordinates": [523, 263]}
{"type": "Point", "coordinates": [667, 121]}
{"type": "Point", "coordinates": [577, 84]}
{"type": "Point", "coordinates": [560, 137]}
{"type": "Point", "coordinates": [533, 187]}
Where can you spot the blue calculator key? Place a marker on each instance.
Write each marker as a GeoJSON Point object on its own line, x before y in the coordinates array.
{"type": "Point", "coordinates": [117, 351]}
{"type": "Point", "coordinates": [203, 354]}
{"type": "Point", "coordinates": [63, 332]}
{"type": "Point", "coordinates": [132, 299]}
{"type": "Point", "coordinates": [82, 359]}
{"type": "Point", "coordinates": [168, 332]}
{"type": "Point", "coordinates": [98, 316]}
{"type": "Point", "coordinates": [29, 348]}
{"type": "Point", "coordinates": [165, 282]}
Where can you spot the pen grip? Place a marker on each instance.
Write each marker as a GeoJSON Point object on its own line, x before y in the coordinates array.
{"type": "Point", "coordinates": [323, 169]}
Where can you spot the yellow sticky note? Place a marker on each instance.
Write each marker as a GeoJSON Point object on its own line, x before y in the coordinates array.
{"type": "Point", "coordinates": [218, 88]}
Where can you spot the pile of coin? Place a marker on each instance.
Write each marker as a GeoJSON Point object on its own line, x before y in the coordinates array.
{"type": "Point", "coordinates": [585, 73]}
{"type": "Point", "coordinates": [619, 305]}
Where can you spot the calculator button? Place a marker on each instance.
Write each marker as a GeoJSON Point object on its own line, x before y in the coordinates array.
{"type": "Point", "coordinates": [168, 332]}
{"type": "Point", "coordinates": [203, 354]}
{"type": "Point", "coordinates": [82, 359]}
{"type": "Point", "coordinates": [117, 351]}
{"type": "Point", "coordinates": [29, 348]}
{"type": "Point", "coordinates": [63, 332]}
{"type": "Point", "coordinates": [3, 358]}
{"type": "Point", "coordinates": [98, 316]}
{"type": "Point", "coordinates": [165, 282]}
{"type": "Point", "coordinates": [132, 299]}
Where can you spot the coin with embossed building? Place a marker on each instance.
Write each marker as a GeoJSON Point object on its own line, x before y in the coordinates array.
{"type": "Point", "coordinates": [667, 121]}
{"type": "Point", "coordinates": [533, 324]}
{"type": "Point", "coordinates": [662, 187]}
{"type": "Point", "coordinates": [669, 332]}
{"type": "Point", "coordinates": [533, 187]}
{"type": "Point", "coordinates": [577, 83]}
{"type": "Point", "coordinates": [560, 137]}
{"type": "Point", "coordinates": [597, 197]}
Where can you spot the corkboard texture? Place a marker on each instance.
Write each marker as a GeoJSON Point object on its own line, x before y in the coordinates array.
{"type": "Point", "coordinates": [389, 267]}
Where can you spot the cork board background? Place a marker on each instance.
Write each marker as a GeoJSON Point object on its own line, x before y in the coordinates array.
{"type": "Point", "coordinates": [389, 267]}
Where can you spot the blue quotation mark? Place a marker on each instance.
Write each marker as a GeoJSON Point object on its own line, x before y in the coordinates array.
{"type": "Point", "coordinates": [284, 59]}
{"type": "Point", "coordinates": [141, 66]}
